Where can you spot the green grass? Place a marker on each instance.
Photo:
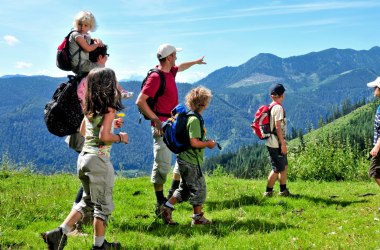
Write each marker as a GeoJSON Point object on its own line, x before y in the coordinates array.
{"type": "Point", "coordinates": [320, 216]}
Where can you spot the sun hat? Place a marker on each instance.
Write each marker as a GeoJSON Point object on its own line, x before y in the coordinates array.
{"type": "Point", "coordinates": [375, 83]}
{"type": "Point", "coordinates": [165, 50]}
{"type": "Point", "coordinates": [277, 89]}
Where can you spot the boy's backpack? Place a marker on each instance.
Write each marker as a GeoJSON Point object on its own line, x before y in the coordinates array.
{"type": "Point", "coordinates": [152, 101]}
{"type": "Point", "coordinates": [261, 121]}
{"type": "Point", "coordinates": [63, 114]}
{"type": "Point", "coordinates": [176, 135]}
{"type": "Point", "coordinates": [63, 60]}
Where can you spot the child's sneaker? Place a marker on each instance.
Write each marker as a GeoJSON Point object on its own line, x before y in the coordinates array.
{"type": "Point", "coordinates": [167, 215]}
{"type": "Point", "coordinates": [108, 245]}
{"type": "Point", "coordinates": [200, 220]}
{"type": "Point", "coordinates": [55, 239]}
{"type": "Point", "coordinates": [285, 193]}
{"type": "Point", "coordinates": [268, 194]}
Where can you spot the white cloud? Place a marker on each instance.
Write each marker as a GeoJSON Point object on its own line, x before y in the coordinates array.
{"type": "Point", "coordinates": [10, 40]}
{"type": "Point", "coordinates": [23, 65]}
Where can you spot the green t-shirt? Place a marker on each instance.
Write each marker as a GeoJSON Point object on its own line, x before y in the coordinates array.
{"type": "Point", "coordinates": [194, 155]}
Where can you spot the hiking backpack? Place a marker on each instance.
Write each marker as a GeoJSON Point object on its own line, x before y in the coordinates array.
{"type": "Point", "coordinates": [152, 101]}
{"type": "Point", "coordinates": [63, 59]}
{"type": "Point", "coordinates": [63, 113]}
{"type": "Point", "coordinates": [261, 121]}
{"type": "Point", "coordinates": [176, 135]}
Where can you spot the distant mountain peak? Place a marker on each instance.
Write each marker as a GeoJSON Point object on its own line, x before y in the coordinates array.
{"type": "Point", "coordinates": [310, 68]}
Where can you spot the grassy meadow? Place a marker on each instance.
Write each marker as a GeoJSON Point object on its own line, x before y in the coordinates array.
{"type": "Point", "coordinates": [321, 215]}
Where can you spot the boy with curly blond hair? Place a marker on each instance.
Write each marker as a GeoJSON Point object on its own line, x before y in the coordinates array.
{"type": "Point", "coordinates": [192, 187]}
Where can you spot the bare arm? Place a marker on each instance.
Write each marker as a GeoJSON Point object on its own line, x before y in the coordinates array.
{"type": "Point", "coordinates": [82, 129]}
{"type": "Point", "coordinates": [105, 134]}
{"type": "Point", "coordinates": [84, 45]}
{"type": "Point", "coordinates": [196, 143]}
{"type": "Point", "coordinates": [185, 65]}
{"type": "Point", "coordinates": [375, 149]}
{"type": "Point", "coordinates": [281, 138]}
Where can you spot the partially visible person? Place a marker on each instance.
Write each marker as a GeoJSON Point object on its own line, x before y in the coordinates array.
{"type": "Point", "coordinates": [95, 170]}
{"type": "Point", "coordinates": [374, 168]}
{"type": "Point", "coordinates": [81, 43]}
{"type": "Point", "coordinates": [276, 143]}
{"type": "Point", "coordinates": [167, 56]}
{"type": "Point", "coordinates": [192, 187]}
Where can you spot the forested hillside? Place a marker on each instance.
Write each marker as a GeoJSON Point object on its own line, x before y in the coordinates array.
{"type": "Point", "coordinates": [317, 85]}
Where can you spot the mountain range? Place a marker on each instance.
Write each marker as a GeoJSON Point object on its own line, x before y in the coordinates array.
{"type": "Point", "coordinates": [316, 84]}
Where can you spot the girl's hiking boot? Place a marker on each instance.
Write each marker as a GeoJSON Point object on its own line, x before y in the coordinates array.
{"type": "Point", "coordinates": [200, 220]}
{"type": "Point", "coordinates": [285, 193]}
{"type": "Point", "coordinates": [55, 239]}
{"type": "Point", "coordinates": [108, 245]}
{"type": "Point", "coordinates": [167, 215]}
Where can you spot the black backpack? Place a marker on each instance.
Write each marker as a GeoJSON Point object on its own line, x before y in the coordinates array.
{"type": "Point", "coordinates": [152, 101]}
{"type": "Point", "coordinates": [176, 135]}
{"type": "Point", "coordinates": [63, 114]}
{"type": "Point", "coordinates": [63, 59]}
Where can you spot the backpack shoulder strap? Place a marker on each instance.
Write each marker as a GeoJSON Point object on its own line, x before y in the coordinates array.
{"type": "Point", "coordinates": [274, 104]}
{"type": "Point", "coordinates": [161, 89]}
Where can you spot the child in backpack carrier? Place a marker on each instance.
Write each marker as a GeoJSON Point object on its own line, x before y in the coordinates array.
{"type": "Point", "coordinates": [81, 43]}
{"type": "Point", "coordinates": [192, 187]}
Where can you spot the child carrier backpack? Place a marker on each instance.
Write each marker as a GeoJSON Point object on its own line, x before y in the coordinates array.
{"type": "Point", "coordinates": [152, 101]}
{"type": "Point", "coordinates": [63, 59]}
{"type": "Point", "coordinates": [176, 135]}
{"type": "Point", "coordinates": [63, 113]}
{"type": "Point", "coordinates": [261, 121]}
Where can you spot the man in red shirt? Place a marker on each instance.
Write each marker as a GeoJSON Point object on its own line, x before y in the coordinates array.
{"type": "Point", "coordinates": [167, 56]}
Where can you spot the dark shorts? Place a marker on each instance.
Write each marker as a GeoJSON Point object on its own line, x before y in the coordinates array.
{"type": "Point", "coordinates": [374, 167]}
{"type": "Point", "coordinates": [278, 161]}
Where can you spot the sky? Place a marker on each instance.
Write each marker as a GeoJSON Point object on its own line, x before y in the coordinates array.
{"type": "Point", "coordinates": [225, 32]}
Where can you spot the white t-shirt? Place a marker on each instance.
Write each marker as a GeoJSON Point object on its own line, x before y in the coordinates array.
{"type": "Point", "coordinates": [277, 114]}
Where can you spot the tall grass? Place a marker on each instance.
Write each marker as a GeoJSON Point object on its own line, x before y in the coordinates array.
{"type": "Point", "coordinates": [321, 215]}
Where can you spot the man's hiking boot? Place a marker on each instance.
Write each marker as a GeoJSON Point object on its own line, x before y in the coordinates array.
{"type": "Point", "coordinates": [108, 245]}
{"type": "Point", "coordinates": [55, 239]}
{"type": "Point", "coordinates": [200, 220]}
{"type": "Point", "coordinates": [285, 193]}
{"type": "Point", "coordinates": [167, 215]}
{"type": "Point", "coordinates": [268, 194]}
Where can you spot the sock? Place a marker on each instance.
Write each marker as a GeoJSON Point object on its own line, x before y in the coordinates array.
{"type": "Point", "coordinates": [168, 204]}
{"type": "Point", "coordinates": [160, 197]}
{"type": "Point", "coordinates": [65, 228]}
{"type": "Point", "coordinates": [282, 188]}
{"type": "Point", "coordinates": [269, 189]}
{"type": "Point", "coordinates": [98, 241]}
